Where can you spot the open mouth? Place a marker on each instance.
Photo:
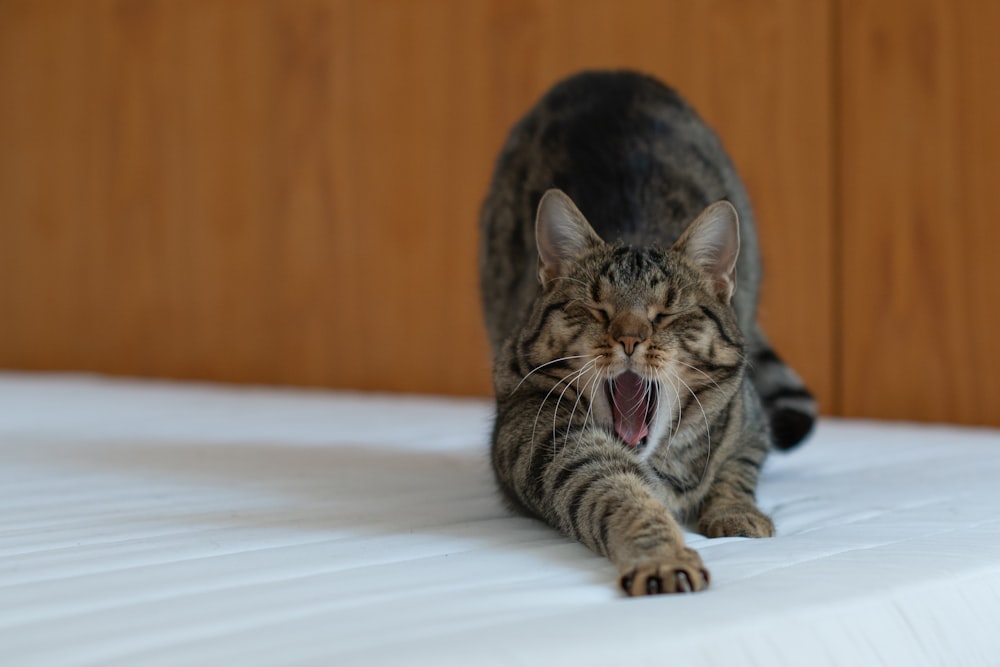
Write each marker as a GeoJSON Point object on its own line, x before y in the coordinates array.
{"type": "Point", "coordinates": [633, 404]}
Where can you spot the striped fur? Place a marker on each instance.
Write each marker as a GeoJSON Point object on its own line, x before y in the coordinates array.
{"type": "Point", "coordinates": [621, 329]}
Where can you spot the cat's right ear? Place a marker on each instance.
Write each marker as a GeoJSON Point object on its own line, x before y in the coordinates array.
{"type": "Point", "coordinates": [561, 233]}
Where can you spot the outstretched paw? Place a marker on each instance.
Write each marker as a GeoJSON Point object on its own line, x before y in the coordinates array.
{"type": "Point", "coordinates": [681, 573]}
{"type": "Point", "coordinates": [736, 521]}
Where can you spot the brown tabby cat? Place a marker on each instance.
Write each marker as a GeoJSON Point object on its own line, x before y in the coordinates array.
{"type": "Point", "coordinates": [619, 275]}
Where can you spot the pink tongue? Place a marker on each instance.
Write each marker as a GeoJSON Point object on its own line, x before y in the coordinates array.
{"type": "Point", "coordinates": [630, 405]}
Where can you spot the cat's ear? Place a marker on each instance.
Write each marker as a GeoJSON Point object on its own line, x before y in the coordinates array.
{"type": "Point", "coordinates": [561, 233]}
{"type": "Point", "coordinates": [712, 242]}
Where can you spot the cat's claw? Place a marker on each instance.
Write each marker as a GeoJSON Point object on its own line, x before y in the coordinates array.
{"type": "Point", "coordinates": [661, 578]}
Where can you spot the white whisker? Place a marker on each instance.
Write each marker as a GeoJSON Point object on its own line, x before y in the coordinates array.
{"type": "Point", "coordinates": [573, 280]}
{"type": "Point", "coordinates": [593, 384]}
{"type": "Point", "coordinates": [555, 413]}
{"type": "Point", "coordinates": [649, 399]}
{"type": "Point", "coordinates": [708, 430]}
{"type": "Point", "coordinates": [547, 363]}
{"type": "Point", "coordinates": [568, 379]}
{"type": "Point", "coordinates": [581, 390]}
{"type": "Point", "coordinates": [698, 370]}
{"type": "Point", "coordinates": [672, 428]}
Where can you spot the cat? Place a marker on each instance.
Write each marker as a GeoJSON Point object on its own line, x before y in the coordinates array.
{"type": "Point", "coordinates": [635, 392]}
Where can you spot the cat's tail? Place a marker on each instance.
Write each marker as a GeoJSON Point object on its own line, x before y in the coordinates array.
{"type": "Point", "coordinates": [791, 408]}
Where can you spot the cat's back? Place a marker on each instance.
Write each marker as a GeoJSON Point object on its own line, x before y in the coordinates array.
{"type": "Point", "coordinates": [628, 150]}
{"type": "Point", "coordinates": [625, 147]}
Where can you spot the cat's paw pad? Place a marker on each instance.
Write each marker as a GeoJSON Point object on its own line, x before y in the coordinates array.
{"type": "Point", "coordinates": [682, 573]}
{"type": "Point", "coordinates": [736, 521]}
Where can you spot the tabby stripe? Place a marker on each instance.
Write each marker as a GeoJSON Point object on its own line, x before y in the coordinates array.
{"type": "Point", "coordinates": [766, 356]}
{"type": "Point", "coordinates": [675, 483]}
{"type": "Point", "coordinates": [576, 501]}
{"type": "Point", "coordinates": [620, 468]}
{"type": "Point", "coordinates": [547, 371]}
{"type": "Point", "coordinates": [501, 454]}
{"type": "Point", "coordinates": [704, 364]}
{"type": "Point", "coordinates": [523, 370]}
{"type": "Point", "coordinates": [688, 400]}
{"type": "Point", "coordinates": [541, 457]}
{"type": "Point", "coordinates": [529, 342]}
{"type": "Point", "coordinates": [603, 527]}
{"type": "Point", "coordinates": [516, 368]}
{"type": "Point", "coordinates": [727, 371]}
{"type": "Point", "coordinates": [786, 392]}
{"type": "Point", "coordinates": [572, 468]}
{"type": "Point", "coordinates": [609, 466]}
{"type": "Point", "coordinates": [671, 297]}
{"type": "Point", "coordinates": [747, 461]}
{"type": "Point", "coordinates": [649, 535]}
{"type": "Point", "coordinates": [725, 416]}
{"type": "Point", "coordinates": [701, 389]}
{"type": "Point", "coordinates": [620, 255]}
{"type": "Point", "coordinates": [718, 325]}
{"type": "Point", "coordinates": [595, 289]}
{"type": "Point", "coordinates": [517, 501]}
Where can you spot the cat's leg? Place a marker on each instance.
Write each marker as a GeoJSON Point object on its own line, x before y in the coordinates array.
{"type": "Point", "coordinates": [611, 504]}
{"type": "Point", "coordinates": [647, 545]}
{"type": "Point", "coordinates": [729, 508]}
{"type": "Point", "coordinates": [589, 487]}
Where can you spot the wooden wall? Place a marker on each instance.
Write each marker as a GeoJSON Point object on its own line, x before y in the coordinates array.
{"type": "Point", "coordinates": [288, 192]}
{"type": "Point", "coordinates": [919, 171]}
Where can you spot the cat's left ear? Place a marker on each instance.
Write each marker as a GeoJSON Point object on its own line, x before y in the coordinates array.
{"type": "Point", "coordinates": [561, 233]}
{"type": "Point", "coordinates": [712, 242]}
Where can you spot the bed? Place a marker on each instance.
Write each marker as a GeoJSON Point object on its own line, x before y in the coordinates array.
{"type": "Point", "coordinates": [168, 523]}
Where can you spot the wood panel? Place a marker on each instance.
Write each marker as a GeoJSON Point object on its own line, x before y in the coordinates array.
{"type": "Point", "coordinates": [921, 154]}
{"type": "Point", "coordinates": [262, 191]}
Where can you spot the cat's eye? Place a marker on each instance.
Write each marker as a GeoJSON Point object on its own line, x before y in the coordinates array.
{"type": "Point", "coordinates": [661, 318]}
{"type": "Point", "coordinates": [600, 314]}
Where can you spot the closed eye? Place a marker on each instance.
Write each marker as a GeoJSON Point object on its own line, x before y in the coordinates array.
{"type": "Point", "coordinates": [661, 318]}
{"type": "Point", "coordinates": [600, 314]}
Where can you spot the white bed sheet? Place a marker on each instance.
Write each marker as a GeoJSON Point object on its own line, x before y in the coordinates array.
{"type": "Point", "coordinates": [154, 523]}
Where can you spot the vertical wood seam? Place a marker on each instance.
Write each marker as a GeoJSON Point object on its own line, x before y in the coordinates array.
{"type": "Point", "coordinates": [836, 153]}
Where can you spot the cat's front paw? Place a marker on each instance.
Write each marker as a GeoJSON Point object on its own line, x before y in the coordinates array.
{"type": "Point", "coordinates": [682, 572]}
{"type": "Point", "coordinates": [735, 521]}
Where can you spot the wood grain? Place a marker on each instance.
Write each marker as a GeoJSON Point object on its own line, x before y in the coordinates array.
{"type": "Point", "coordinates": [261, 191]}
{"type": "Point", "coordinates": [921, 154]}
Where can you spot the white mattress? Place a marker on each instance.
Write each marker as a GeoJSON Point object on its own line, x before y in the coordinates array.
{"type": "Point", "coordinates": [173, 524]}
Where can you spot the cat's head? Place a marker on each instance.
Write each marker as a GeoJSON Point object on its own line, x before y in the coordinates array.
{"type": "Point", "coordinates": [647, 334]}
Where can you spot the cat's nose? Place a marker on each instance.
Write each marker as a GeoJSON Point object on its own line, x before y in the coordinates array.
{"type": "Point", "coordinates": [629, 330]}
{"type": "Point", "coordinates": [629, 343]}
